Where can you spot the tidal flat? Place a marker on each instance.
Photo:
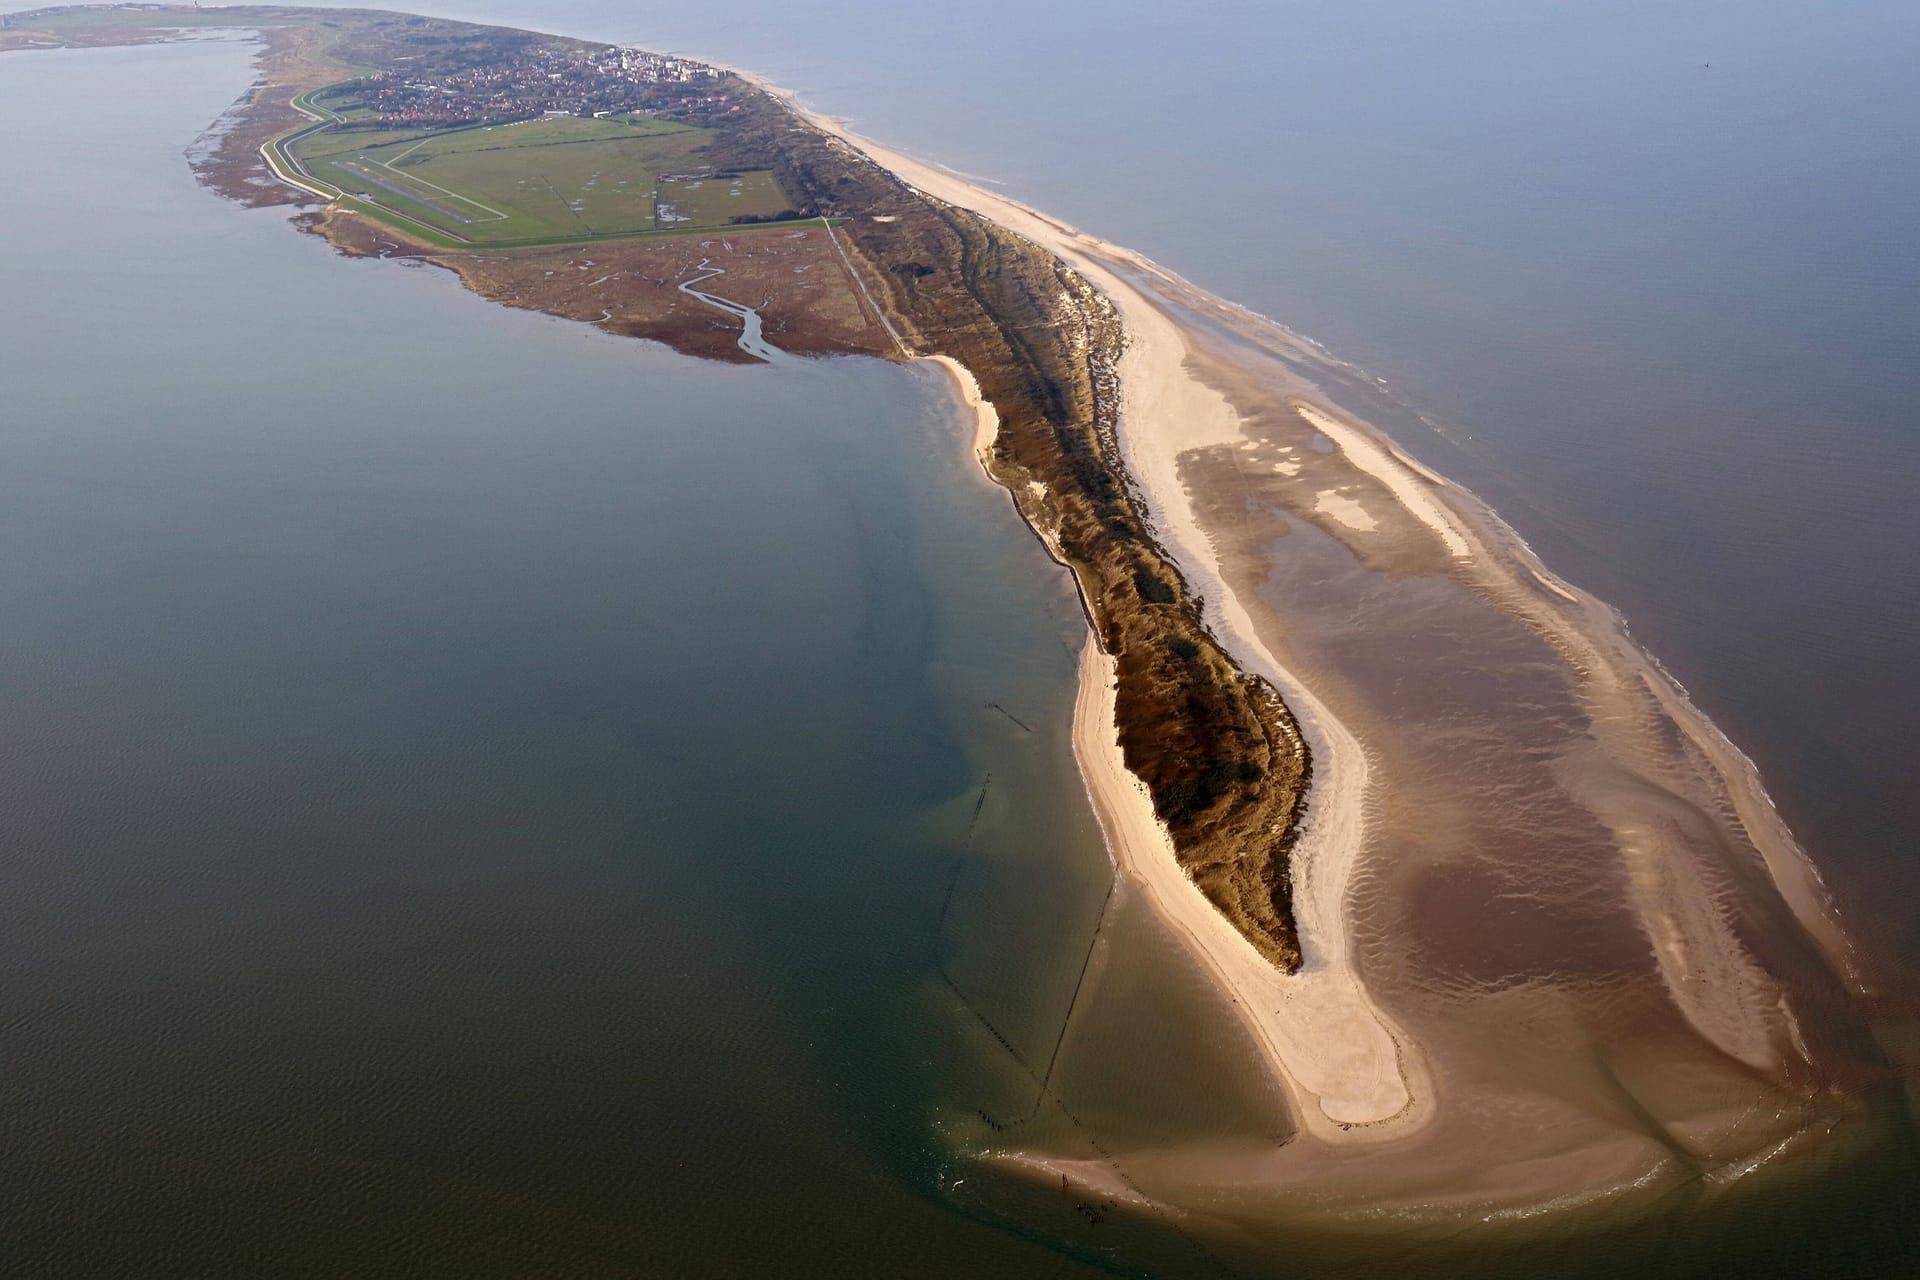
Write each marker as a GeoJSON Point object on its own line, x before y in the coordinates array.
{"type": "Point", "coordinates": [1523, 844]}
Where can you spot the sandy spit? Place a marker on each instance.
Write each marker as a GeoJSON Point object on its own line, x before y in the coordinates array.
{"type": "Point", "coordinates": [1353, 1076]}
{"type": "Point", "coordinates": [1341, 1066]}
{"type": "Point", "coordinates": [1398, 473]}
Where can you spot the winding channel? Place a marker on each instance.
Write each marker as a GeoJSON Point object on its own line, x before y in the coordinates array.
{"type": "Point", "coordinates": [751, 340]}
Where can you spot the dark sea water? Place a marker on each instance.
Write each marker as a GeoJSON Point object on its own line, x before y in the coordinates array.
{"type": "Point", "coordinates": [482, 797]}
{"type": "Point", "coordinates": [478, 793]}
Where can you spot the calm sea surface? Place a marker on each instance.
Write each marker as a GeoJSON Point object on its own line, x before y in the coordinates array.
{"type": "Point", "coordinates": [1646, 269]}
{"type": "Point", "coordinates": [500, 787]}
{"type": "Point", "coordinates": [480, 793]}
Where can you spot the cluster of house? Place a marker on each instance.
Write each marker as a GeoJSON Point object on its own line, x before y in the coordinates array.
{"type": "Point", "coordinates": [546, 81]}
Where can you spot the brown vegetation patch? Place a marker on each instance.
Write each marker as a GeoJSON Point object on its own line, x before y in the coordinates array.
{"type": "Point", "coordinates": [228, 160]}
{"type": "Point", "coordinates": [792, 275]}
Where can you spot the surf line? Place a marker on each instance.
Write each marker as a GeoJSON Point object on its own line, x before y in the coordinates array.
{"type": "Point", "coordinates": [751, 339]}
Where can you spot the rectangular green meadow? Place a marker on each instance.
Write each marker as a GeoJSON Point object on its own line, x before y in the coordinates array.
{"type": "Point", "coordinates": [539, 179]}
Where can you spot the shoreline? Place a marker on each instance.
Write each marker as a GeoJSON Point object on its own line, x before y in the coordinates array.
{"type": "Point", "coordinates": [1380, 1086]}
{"type": "Point", "coordinates": [984, 418]}
{"type": "Point", "coordinates": [1368, 1072]}
{"type": "Point", "coordinates": [1284, 1015]}
{"type": "Point", "coordinates": [1340, 1090]}
{"type": "Point", "coordinates": [1355, 1076]}
{"type": "Point", "coordinates": [1353, 1073]}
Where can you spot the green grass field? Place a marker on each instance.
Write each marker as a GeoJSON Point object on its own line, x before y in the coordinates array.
{"type": "Point", "coordinates": [538, 180]}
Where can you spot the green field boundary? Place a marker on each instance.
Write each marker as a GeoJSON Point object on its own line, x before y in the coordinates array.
{"type": "Point", "coordinates": [583, 241]}
{"type": "Point", "coordinates": [290, 169]}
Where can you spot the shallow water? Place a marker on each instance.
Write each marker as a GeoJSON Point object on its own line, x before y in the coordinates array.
{"type": "Point", "coordinates": [802, 962]}
{"type": "Point", "coordinates": [1642, 276]}
{"type": "Point", "coordinates": [1565, 891]}
{"type": "Point", "coordinates": [471, 777]}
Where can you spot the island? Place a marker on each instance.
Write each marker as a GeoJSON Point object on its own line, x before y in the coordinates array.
{"type": "Point", "coordinates": [1422, 811]}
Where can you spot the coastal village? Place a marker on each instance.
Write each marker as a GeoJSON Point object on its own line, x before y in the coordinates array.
{"type": "Point", "coordinates": [547, 81]}
{"type": "Point", "coordinates": [459, 74]}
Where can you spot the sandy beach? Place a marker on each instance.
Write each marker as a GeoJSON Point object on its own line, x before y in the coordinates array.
{"type": "Point", "coordinates": [1317, 1030]}
{"type": "Point", "coordinates": [1343, 891]}
{"type": "Point", "coordinates": [1353, 1078]}
{"type": "Point", "coordinates": [1339, 1080]}
{"type": "Point", "coordinates": [1199, 434]}
{"type": "Point", "coordinates": [986, 423]}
